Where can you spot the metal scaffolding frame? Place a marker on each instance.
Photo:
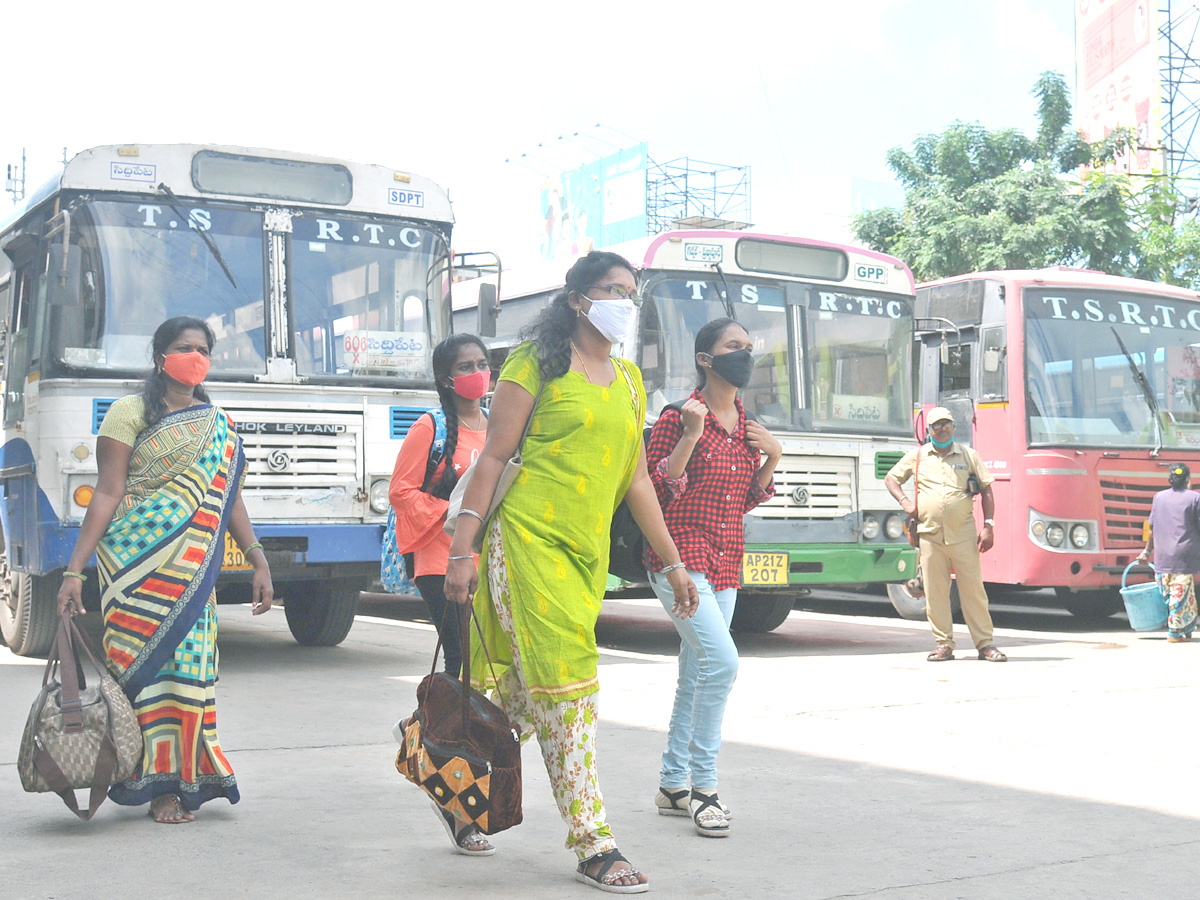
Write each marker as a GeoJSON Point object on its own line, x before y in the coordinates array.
{"type": "Point", "coordinates": [1179, 77]}
{"type": "Point", "coordinates": [689, 193]}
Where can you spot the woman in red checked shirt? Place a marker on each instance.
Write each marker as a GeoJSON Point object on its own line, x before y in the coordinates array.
{"type": "Point", "coordinates": [710, 464]}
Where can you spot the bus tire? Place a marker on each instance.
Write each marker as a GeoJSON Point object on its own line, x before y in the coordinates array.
{"type": "Point", "coordinates": [1091, 606]}
{"type": "Point", "coordinates": [760, 613]}
{"type": "Point", "coordinates": [910, 607]}
{"type": "Point", "coordinates": [28, 612]}
{"type": "Point", "coordinates": [320, 614]}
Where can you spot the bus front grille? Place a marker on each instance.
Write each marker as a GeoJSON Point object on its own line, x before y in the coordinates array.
{"type": "Point", "coordinates": [811, 488]}
{"type": "Point", "coordinates": [1126, 507]}
{"type": "Point", "coordinates": [299, 450]}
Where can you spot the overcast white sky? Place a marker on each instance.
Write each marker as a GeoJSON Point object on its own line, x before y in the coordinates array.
{"type": "Point", "coordinates": [806, 93]}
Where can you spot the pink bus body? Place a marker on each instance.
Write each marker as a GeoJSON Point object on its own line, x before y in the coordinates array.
{"type": "Point", "coordinates": [1061, 417]}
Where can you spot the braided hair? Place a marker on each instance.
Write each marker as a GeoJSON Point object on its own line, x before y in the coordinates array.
{"type": "Point", "coordinates": [154, 388]}
{"type": "Point", "coordinates": [444, 356]}
{"type": "Point", "coordinates": [551, 330]}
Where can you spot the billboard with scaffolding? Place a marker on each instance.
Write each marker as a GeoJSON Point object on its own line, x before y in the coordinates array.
{"type": "Point", "coordinates": [601, 203]}
{"type": "Point", "coordinates": [1118, 76]}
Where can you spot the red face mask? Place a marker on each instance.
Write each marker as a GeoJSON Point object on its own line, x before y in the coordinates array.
{"type": "Point", "coordinates": [186, 368]}
{"type": "Point", "coordinates": [472, 386]}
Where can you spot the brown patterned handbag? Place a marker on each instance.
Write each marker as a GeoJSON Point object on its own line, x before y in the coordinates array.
{"type": "Point", "coordinates": [461, 749]}
{"type": "Point", "coordinates": [78, 736]}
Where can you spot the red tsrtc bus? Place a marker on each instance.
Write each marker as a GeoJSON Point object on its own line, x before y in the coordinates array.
{"type": "Point", "coordinates": [1079, 390]}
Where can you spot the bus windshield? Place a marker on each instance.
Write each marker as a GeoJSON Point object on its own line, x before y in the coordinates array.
{"type": "Point", "coordinates": [860, 350]}
{"type": "Point", "coordinates": [1081, 386]}
{"type": "Point", "coordinates": [142, 264]}
{"type": "Point", "coordinates": [356, 288]}
{"type": "Point", "coordinates": [359, 290]}
{"type": "Point", "coordinates": [824, 361]}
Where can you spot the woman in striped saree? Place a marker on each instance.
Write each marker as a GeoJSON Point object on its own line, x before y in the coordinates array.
{"type": "Point", "coordinates": [170, 474]}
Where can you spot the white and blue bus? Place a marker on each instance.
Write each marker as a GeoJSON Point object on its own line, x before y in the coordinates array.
{"type": "Point", "coordinates": [327, 285]}
{"type": "Point", "coordinates": [832, 328]}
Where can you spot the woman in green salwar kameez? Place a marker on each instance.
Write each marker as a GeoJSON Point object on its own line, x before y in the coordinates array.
{"type": "Point", "coordinates": [545, 559]}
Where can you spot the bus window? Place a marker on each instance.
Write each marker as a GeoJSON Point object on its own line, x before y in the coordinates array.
{"type": "Point", "coordinates": [358, 295]}
{"type": "Point", "coordinates": [860, 356]}
{"type": "Point", "coordinates": [140, 265]}
{"type": "Point", "coordinates": [955, 375]}
{"type": "Point", "coordinates": [993, 364]}
{"type": "Point", "coordinates": [677, 308]}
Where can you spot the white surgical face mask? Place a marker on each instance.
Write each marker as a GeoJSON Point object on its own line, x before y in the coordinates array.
{"type": "Point", "coordinates": [612, 318]}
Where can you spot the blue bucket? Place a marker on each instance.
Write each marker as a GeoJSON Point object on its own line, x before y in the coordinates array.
{"type": "Point", "coordinates": [1145, 604]}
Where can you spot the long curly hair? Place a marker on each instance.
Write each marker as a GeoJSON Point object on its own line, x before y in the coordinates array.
{"type": "Point", "coordinates": [551, 330]}
{"type": "Point", "coordinates": [444, 356]}
{"type": "Point", "coordinates": [154, 388]}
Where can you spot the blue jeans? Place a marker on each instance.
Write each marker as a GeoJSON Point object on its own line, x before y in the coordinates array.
{"type": "Point", "coordinates": [708, 664]}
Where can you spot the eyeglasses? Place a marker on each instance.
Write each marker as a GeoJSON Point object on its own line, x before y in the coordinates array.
{"type": "Point", "coordinates": [618, 291]}
{"type": "Point", "coordinates": [938, 426]}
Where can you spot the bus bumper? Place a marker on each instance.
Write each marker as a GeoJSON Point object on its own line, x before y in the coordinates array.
{"type": "Point", "coordinates": [835, 564]}
{"type": "Point", "coordinates": [350, 549]}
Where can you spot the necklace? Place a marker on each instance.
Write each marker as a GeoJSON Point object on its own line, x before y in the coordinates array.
{"type": "Point", "coordinates": [480, 420]}
{"type": "Point", "coordinates": [586, 373]}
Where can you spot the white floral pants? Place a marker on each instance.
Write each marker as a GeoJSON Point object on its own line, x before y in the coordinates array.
{"type": "Point", "coordinates": [566, 731]}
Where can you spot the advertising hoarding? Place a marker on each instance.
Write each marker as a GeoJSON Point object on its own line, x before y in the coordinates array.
{"type": "Point", "coordinates": [601, 203]}
{"type": "Point", "coordinates": [1118, 77]}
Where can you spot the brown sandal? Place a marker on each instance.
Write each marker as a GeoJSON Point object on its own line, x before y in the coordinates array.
{"type": "Point", "coordinates": [941, 653]}
{"type": "Point", "coordinates": [991, 653]}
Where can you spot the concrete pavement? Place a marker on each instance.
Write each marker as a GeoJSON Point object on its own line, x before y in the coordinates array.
{"type": "Point", "coordinates": [855, 769]}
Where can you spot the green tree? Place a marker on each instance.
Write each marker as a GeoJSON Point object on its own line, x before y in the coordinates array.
{"type": "Point", "coordinates": [977, 200]}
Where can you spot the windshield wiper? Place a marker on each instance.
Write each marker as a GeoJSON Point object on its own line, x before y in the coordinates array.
{"type": "Point", "coordinates": [728, 302]}
{"type": "Point", "coordinates": [1147, 393]}
{"type": "Point", "coordinates": [173, 202]}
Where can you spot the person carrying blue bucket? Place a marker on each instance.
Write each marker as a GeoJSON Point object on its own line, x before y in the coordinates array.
{"type": "Point", "coordinates": [1174, 542]}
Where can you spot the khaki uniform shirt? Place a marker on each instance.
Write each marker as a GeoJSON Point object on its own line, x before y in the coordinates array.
{"type": "Point", "coordinates": [944, 508]}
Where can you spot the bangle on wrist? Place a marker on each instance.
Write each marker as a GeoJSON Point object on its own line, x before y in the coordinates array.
{"type": "Point", "coordinates": [467, 556]}
{"type": "Point", "coordinates": [78, 575]}
{"type": "Point", "coordinates": [257, 545]}
{"type": "Point", "coordinates": [470, 512]}
{"type": "Point", "coordinates": [665, 569]}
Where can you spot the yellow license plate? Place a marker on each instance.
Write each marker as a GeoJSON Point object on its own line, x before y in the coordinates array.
{"type": "Point", "coordinates": [235, 559]}
{"type": "Point", "coordinates": [764, 568]}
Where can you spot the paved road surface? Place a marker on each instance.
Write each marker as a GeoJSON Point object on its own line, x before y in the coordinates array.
{"type": "Point", "coordinates": [855, 769]}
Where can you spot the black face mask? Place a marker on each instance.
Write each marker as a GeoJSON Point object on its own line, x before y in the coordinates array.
{"type": "Point", "coordinates": [735, 367]}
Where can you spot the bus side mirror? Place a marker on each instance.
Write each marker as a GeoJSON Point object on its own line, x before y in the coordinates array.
{"type": "Point", "coordinates": [991, 360]}
{"type": "Point", "coordinates": [489, 309]}
{"type": "Point", "coordinates": [63, 276]}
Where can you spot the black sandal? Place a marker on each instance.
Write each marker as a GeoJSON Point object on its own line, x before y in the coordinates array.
{"type": "Point", "coordinates": [466, 838]}
{"type": "Point", "coordinates": [604, 879]}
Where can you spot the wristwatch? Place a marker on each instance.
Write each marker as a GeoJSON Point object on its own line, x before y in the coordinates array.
{"type": "Point", "coordinates": [989, 521]}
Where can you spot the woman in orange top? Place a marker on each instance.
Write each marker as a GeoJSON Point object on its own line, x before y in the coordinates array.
{"type": "Point", "coordinates": [420, 487]}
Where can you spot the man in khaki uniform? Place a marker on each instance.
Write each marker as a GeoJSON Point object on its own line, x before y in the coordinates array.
{"type": "Point", "coordinates": [946, 516]}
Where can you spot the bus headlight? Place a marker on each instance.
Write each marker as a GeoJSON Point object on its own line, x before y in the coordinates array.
{"type": "Point", "coordinates": [893, 527]}
{"type": "Point", "coordinates": [1079, 536]}
{"type": "Point", "coordinates": [379, 496]}
{"type": "Point", "coordinates": [1061, 535]}
{"type": "Point", "coordinates": [870, 527]}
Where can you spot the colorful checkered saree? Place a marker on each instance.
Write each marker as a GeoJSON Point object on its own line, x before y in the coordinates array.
{"type": "Point", "coordinates": [158, 565]}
